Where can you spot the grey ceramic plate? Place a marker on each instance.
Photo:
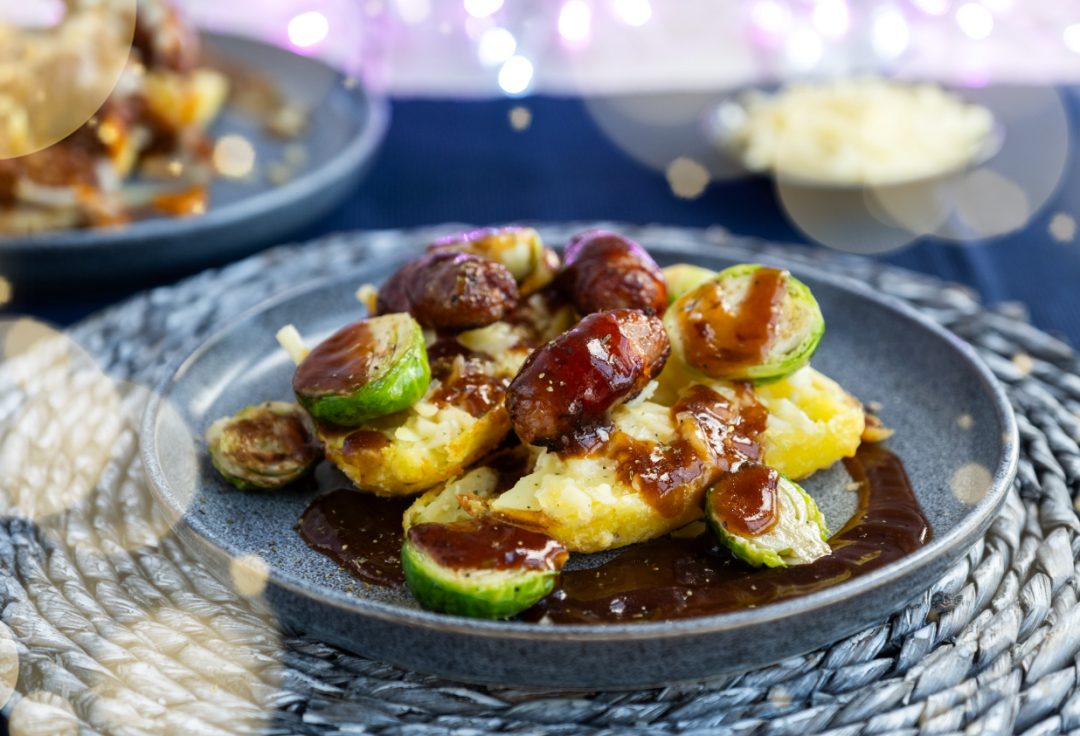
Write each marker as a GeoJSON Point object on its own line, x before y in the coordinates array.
{"type": "Point", "coordinates": [344, 131]}
{"type": "Point", "coordinates": [924, 378]}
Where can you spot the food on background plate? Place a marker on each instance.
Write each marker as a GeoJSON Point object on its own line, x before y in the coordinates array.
{"type": "Point", "coordinates": [559, 419]}
{"type": "Point", "coordinates": [864, 131]}
{"type": "Point", "coordinates": [146, 149]}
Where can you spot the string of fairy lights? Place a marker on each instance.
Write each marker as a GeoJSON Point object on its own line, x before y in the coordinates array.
{"type": "Point", "coordinates": [512, 41]}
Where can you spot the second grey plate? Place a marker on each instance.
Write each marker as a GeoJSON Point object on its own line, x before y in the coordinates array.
{"type": "Point", "coordinates": [344, 131]}
{"type": "Point", "coordinates": [951, 417]}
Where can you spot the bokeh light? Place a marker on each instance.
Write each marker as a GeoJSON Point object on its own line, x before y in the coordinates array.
{"type": "Point", "coordinates": [37, 14]}
{"type": "Point", "coordinates": [991, 204]}
{"type": "Point", "coordinates": [771, 16]}
{"type": "Point", "coordinates": [249, 574]}
{"type": "Point", "coordinates": [970, 483]}
{"type": "Point", "coordinates": [890, 34]}
{"type": "Point", "coordinates": [307, 29]}
{"type": "Point", "coordinates": [687, 178]}
{"type": "Point", "coordinates": [234, 156]}
{"type": "Point", "coordinates": [1071, 36]}
{"type": "Point", "coordinates": [975, 21]}
{"type": "Point", "coordinates": [413, 11]}
{"type": "Point", "coordinates": [1062, 227]}
{"type": "Point", "coordinates": [633, 12]}
{"type": "Point", "coordinates": [842, 219]}
{"type": "Point", "coordinates": [496, 46]}
{"type": "Point", "coordinates": [575, 18]}
{"type": "Point", "coordinates": [932, 7]}
{"type": "Point", "coordinates": [804, 49]}
{"type": "Point", "coordinates": [61, 442]}
{"type": "Point", "coordinates": [43, 712]}
{"type": "Point", "coordinates": [831, 18]}
{"type": "Point", "coordinates": [516, 75]}
{"type": "Point", "coordinates": [658, 128]}
{"type": "Point", "coordinates": [58, 68]}
{"type": "Point", "coordinates": [475, 28]}
{"type": "Point", "coordinates": [520, 118]}
{"type": "Point", "coordinates": [482, 8]}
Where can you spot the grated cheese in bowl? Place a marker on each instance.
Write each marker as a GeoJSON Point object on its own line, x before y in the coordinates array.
{"type": "Point", "coordinates": [864, 131]}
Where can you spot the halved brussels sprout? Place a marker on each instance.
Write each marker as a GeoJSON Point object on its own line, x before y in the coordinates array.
{"type": "Point", "coordinates": [365, 370]}
{"type": "Point", "coordinates": [520, 249]}
{"type": "Point", "coordinates": [748, 323]}
{"type": "Point", "coordinates": [682, 278]}
{"type": "Point", "coordinates": [765, 518]}
{"type": "Point", "coordinates": [265, 446]}
{"type": "Point", "coordinates": [480, 568]}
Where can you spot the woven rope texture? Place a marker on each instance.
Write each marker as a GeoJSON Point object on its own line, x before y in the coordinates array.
{"type": "Point", "coordinates": [112, 629]}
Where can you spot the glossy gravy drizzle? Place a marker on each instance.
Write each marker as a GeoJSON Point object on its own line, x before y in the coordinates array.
{"type": "Point", "coordinates": [747, 503]}
{"type": "Point", "coordinates": [661, 580]}
{"type": "Point", "coordinates": [359, 531]}
{"type": "Point", "coordinates": [339, 363]}
{"type": "Point", "coordinates": [671, 578]}
{"type": "Point", "coordinates": [487, 545]}
{"type": "Point", "coordinates": [667, 578]}
{"type": "Point", "coordinates": [717, 341]}
{"type": "Point", "coordinates": [466, 386]}
{"type": "Point", "coordinates": [665, 473]}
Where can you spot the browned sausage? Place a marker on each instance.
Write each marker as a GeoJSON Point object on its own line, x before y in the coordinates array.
{"type": "Point", "coordinates": [606, 271]}
{"type": "Point", "coordinates": [393, 294]}
{"type": "Point", "coordinates": [450, 291]}
{"type": "Point", "coordinates": [568, 387]}
{"type": "Point", "coordinates": [504, 245]}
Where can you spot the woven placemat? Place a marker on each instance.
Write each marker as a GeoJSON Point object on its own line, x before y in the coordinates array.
{"type": "Point", "coordinates": [117, 631]}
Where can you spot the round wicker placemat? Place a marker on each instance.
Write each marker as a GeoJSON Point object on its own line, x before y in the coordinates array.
{"type": "Point", "coordinates": [116, 631]}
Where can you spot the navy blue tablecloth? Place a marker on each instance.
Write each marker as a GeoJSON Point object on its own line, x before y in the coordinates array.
{"type": "Point", "coordinates": [462, 161]}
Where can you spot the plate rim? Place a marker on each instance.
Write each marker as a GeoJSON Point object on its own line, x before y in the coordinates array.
{"type": "Point", "coordinates": [979, 516]}
{"type": "Point", "coordinates": [361, 147]}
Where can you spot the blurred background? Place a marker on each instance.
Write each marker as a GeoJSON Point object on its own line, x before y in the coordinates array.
{"type": "Point", "coordinates": [143, 141]}
{"type": "Point", "coordinates": [344, 114]}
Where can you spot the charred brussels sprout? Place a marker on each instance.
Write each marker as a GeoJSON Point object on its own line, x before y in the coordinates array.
{"type": "Point", "coordinates": [748, 323]}
{"type": "Point", "coordinates": [765, 518]}
{"type": "Point", "coordinates": [266, 446]}
{"type": "Point", "coordinates": [480, 569]}
{"type": "Point", "coordinates": [682, 278]}
{"type": "Point", "coordinates": [365, 370]}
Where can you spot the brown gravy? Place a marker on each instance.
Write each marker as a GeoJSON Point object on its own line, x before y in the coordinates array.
{"type": "Point", "coordinates": [340, 363]}
{"type": "Point", "coordinates": [487, 545]}
{"type": "Point", "coordinates": [669, 579]}
{"type": "Point", "coordinates": [717, 342]}
{"type": "Point", "coordinates": [665, 473]}
{"type": "Point", "coordinates": [466, 386]}
{"type": "Point", "coordinates": [746, 500]}
{"type": "Point", "coordinates": [662, 580]}
{"type": "Point", "coordinates": [359, 531]}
